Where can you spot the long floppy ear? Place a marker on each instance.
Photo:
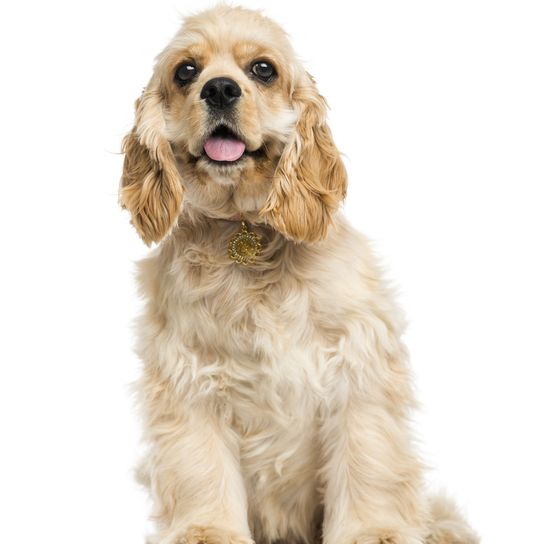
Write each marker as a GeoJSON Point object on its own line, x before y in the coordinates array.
{"type": "Point", "coordinates": [150, 186]}
{"type": "Point", "coordinates": [310, 179]}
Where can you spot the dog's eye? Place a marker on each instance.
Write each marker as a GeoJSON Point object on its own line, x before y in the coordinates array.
{"type": "Point", "coordinates": [185, 73]}
{"type": "Point", "coordinates": [263, 70]}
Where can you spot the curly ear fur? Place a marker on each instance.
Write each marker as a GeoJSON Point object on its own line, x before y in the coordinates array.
{"type": "Point", "coordinates": [310, 180]}
{"type": "Point", "coordinates": [150, 186]}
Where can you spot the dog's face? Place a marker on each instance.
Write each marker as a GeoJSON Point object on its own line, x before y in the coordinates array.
{"type": "Point", "coordinates": [231, 123]}
{"type": "Point", "coordinates": [227, 82]}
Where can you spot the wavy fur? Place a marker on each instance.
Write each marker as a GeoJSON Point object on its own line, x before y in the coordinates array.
{"type": "Point", "coordinates": [276, 397]}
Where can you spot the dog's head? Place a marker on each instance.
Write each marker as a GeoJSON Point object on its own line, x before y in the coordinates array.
{"type": "Point", "coordinates": [231, 123]}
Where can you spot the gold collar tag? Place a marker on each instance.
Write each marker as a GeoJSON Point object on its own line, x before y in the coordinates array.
{"type": "Point", "coordinates": [244, 246]}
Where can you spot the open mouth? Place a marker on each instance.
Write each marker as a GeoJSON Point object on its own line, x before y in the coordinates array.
{"type": "Point", "coordinates": [225, 147]}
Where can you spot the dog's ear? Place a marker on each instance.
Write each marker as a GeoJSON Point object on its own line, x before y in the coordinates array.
{"type": "Point", "coordinates": [150, 186]}
{"type": "Point", "coordinates": [310, 179]}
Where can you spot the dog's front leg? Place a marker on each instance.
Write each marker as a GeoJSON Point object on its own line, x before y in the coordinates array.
{"type": "Point", "coordinates": [371, 476]}
{"type": "Point", "coordinates": [193, 473]}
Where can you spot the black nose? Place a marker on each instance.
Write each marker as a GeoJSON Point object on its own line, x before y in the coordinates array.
{"type": "Point", "coordinates": [220, 92]}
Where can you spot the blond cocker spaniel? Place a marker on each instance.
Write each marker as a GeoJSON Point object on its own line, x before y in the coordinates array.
{"type": "Point", "coordinates": [276, 393]}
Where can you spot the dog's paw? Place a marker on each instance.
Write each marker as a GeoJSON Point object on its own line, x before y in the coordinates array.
{"type": "Point", "coordinates": [210, 535]}
{"type": "Point", "coordinates": [390, 536]}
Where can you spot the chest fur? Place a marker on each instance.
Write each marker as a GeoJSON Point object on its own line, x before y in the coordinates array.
{"type": "Point", "coordinates": [258, 337]}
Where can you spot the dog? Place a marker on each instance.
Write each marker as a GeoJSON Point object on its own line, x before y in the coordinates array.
{"type": "Point", "coordinates": [276, 392]}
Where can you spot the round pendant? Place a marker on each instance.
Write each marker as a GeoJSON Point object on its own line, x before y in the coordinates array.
{"type": "Point", "coordinates": [244, 246]}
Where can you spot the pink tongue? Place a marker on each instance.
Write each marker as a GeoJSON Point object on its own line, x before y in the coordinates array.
{"type": "Point", "coordinates": [224, 149]}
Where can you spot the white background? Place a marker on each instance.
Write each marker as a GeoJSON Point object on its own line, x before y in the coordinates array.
{"type": "Point", "coordinates": [438, 107]}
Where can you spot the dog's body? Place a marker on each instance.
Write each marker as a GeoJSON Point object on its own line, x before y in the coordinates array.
{"type": "Point", "coordinates": [276, 395]}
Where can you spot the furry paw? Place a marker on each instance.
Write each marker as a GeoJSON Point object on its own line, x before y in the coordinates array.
{"type": "Point", "coordinates": [390, 536]}
{"type": "Point", "coordinates": [210, 535]}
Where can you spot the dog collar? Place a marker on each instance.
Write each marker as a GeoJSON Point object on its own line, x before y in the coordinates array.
{"type": "Point", "coordinates": [245, 246]}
